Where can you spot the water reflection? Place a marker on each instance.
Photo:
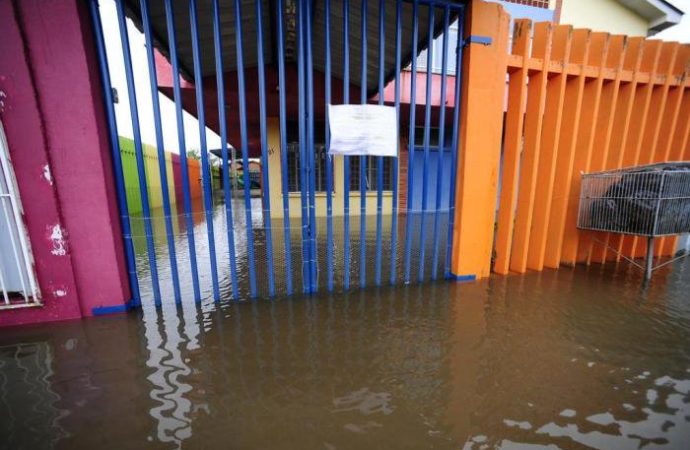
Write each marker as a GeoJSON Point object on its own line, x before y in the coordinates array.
{"type": "Point", "coordinates": [279, 253]}
{"type": "Point", "coordinates": [571, 359]}
{"type": "Point", "coordinates": [28, 404]}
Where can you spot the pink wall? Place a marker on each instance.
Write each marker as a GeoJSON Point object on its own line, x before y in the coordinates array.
{"type": "Point", "coordinates": [55, 123]}
{"type": "Point", "coordinates": [420, 89]}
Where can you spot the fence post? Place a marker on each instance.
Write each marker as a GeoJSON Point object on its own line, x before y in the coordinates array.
{"type": "Point", "coordinates": [481, 124]}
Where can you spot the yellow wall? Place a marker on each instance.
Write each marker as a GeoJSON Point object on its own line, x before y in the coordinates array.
{"type": "Point", "coordinates": [275, 182]}
{"type": "Point", "coordinates": [603, 15]}
{"type": "Point", "coordinates": [153, 177]}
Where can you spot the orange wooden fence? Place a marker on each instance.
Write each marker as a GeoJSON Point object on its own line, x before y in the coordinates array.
{"type": "Point", "coordinates": [580, 101]}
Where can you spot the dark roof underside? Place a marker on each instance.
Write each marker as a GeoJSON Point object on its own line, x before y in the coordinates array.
{"type": "Point", "coordinates": [249, 34]}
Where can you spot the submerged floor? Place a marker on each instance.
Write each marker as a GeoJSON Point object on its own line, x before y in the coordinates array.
{"type": "Point", "coordinates": [582, 358]}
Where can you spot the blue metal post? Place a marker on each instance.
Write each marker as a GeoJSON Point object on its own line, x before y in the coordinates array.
{"type": "Point", "coordinates": [410, 157]}
{"type": "Point", "coordinates": [306, 253]}
{"type": "Point", "coordinates": [456, 138]}
{"type": "Point", "coordinates": [227, 192]}
{"type": "Point", "coordinates": [427, 136]}
{"type": "Point", "coordinates": [346, 159]}
{"type": "Point", "coordinates": [329, 158]}
{"type": "Point", "coordinates": [394, 220]}
{"type": "Point", "coordinates": [141, 171]}
{"type": "Point", "coordinates": [265, 187]}
{"type": "Point", "coordinates": [115, 153]}
{"type": "Point", "coordinates": [205, 169]}
{"type": "Point", "coordinates": [379, 160]}
{"type": "Point", "coordinates": [363, 161]}
{"type": "Point", "coordinates": [181, 142]}
{"type": "Point", "coordinates": [313, 271]}
{"type": "Point", "coordinates": [245, 149]}
{"type": "Point", "coordinates": [441, 142]}
{"type": "Point", "coordinates": [170, 235]}
{"type": "Point", "coordinates": [284, 149]}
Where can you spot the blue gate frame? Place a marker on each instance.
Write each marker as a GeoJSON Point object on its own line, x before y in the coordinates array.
{"type": "Point", "coordinates": [430, 215]}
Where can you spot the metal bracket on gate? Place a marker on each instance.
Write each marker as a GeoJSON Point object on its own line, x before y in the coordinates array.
{"type": "Point", "coordinates": [481, 40]}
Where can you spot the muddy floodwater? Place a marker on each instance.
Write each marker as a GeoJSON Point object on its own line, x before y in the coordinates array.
{"type": "Point", "coordinates": [578, 358]}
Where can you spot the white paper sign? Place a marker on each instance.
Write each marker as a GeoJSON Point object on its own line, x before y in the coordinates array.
{"type": "Point", "coordinates": [363, 130]}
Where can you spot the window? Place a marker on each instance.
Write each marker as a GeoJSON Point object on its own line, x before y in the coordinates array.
{"type": "Point", "coordinates": [18, 287]}
{"type": "Point", "coordinates": [536, 3]}
{"type": "Point", "coordinates": [293, 160]}
{"type": "Point", "coordinates": [433, 137]}
{"type": "Point", "coordinates": [437, 57]}
{"type": "Point", "coordinates": [371, 175]}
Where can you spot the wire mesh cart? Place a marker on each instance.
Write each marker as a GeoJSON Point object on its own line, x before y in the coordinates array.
{"type": "Point", "coordinates": [650, 201]}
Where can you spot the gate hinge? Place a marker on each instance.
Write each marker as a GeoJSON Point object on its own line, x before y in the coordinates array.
{"type": "Point", "coordinates": [473, 39]}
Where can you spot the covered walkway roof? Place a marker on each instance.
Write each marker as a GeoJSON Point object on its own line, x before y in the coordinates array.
{"type": "Point", "coordinates": [227, 19]}
{"type": "Point", "coordinates": [251, 91]}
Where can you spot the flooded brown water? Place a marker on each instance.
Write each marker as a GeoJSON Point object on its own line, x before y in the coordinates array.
{"type": "Point", "coordinates": [579, 358]}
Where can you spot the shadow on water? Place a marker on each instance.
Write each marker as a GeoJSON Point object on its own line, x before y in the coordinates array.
{"type": "Point", "coordinates": [578, 358]}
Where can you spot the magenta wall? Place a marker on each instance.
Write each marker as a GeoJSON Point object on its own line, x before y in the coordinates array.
{"type": "Point", "coordinates": [55, 124]}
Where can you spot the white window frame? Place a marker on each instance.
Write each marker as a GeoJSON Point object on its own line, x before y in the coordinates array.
{"type": "Point", "coordinates": [19, 258]}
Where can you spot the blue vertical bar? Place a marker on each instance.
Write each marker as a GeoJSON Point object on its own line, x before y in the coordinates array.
{"type": "Point", "coordinates": [394, 220]}
{"type": "Point", "coordinates": [410, 157]}
{"type": "Point", "coordinates": [141, 171]}
{"type": "Point", "coordinates": [313, 270]}
{"type": "Point", "coordinates": [363, 160]}
{"type": "Point", "coordinates": [346, 159]}
{"type": "Point", "coordinates": [427, 136]}
{"type": "Point", "coordinates": [245, 149]}
{"type": "Point", "coordinates": [306, 253]}
{"type": "Point", "coordinates": [441, 142]}
{"type": "Point", "coordinates": [222, 121]}
{"type": "Point", "coordinates": [379, 160]}
{"type": "Point", "coordinates": [205, 169]}
{"type": "Point", "coordinates": [284, 149]}
{"type": "Point", "coordinates": [265, 187]}
{"type": "Point", "coordinates": [181, 142]}
{"type": "Point", "coordinates": [329, 158]}
{"type": "Point", "coordinates": [115, 153]}
{"type": "Point", "coordinates": [170, 235]}
{"type": "Point", "coordinates": [456, 137]}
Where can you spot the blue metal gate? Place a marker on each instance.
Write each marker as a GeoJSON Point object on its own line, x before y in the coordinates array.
{"type": "Point", "coordinates": [271, 67]}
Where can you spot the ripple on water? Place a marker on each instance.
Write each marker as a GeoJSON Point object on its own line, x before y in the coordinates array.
{"type": "Point", "coordinates": [567, 359]}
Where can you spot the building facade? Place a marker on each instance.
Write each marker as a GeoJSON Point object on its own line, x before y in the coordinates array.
{"type": "Point", "coordinates": [629, 17]}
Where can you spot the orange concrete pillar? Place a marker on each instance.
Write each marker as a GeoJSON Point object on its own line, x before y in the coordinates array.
{"type": "Point", "coordinates": [479, 149]}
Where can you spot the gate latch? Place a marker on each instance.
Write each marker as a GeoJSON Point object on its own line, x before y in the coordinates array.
{"type": "Point", "coordinates": [481, 40]}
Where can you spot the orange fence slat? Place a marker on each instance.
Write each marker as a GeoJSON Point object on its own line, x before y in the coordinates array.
{"type": "Point", "coordinates": [585, 143]}
{"type": "Point", "coordinates": [550, 142]}
{"type": "Point", "coordinates": [661, 59]}
{"type": "Point", "coordinates": [678, 144]}
{"type": "Point", "coordinates": [536, 103]}
{"type": "Point", "coordinates": [668, 126]}
{"type": "Point", "coordinates": [517, 96]}
{"type": "Point", "coordinates": [621, 128]}
{"type": "Point", "coordinates": [628, 124]}
{"type": "Point", "coordinates": [599, 249]}
{"type": "Point", "coordinates": [604, 127]}
{"type": "Point", "coordinates": [572, 115]}
{"type": "Point", "coordinates": [638, 122]}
